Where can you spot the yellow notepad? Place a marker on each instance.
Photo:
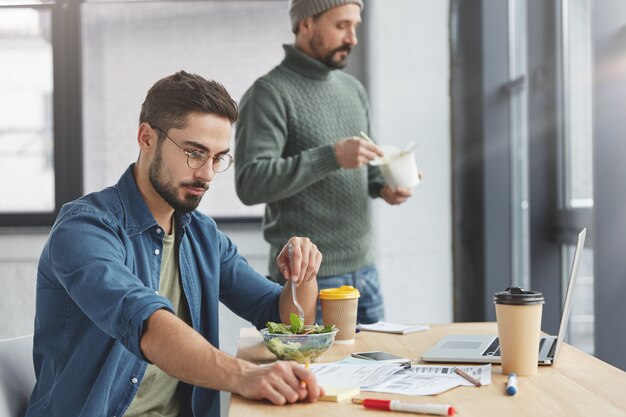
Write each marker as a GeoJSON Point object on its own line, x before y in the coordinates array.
{"type": "Point", "coordinates": [339, 393]}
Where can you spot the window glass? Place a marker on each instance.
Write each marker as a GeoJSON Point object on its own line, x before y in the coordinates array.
{"type": "Point", "coordinates": [127, 46]}
{"type": "Point", "coordinates": [25, 2]}
{"type": "Point", "coordinates": [26, 139]}
{"type": "Point", "coordinates": [520, 216]}
{"type": "Point", "coordinates": [577, 103]}
{"type": "Point", "coordinates": [577, 157]}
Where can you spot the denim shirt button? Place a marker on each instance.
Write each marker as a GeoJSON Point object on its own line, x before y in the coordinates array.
{"type": "Point", "coordinates": [156, 251]}
{"type": "Point", "coordinates": [156, 292]}
{"type": "Point", "coordinates": [134, 380]}
{"type": "Point", "coordinates": [158, 231]}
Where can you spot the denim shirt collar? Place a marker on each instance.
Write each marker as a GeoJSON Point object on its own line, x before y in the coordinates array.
{"type": "Point", "coordinates": [137, 216]}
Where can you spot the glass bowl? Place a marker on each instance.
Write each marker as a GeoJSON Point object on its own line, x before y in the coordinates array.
{"type": "Point", "coordinates": [302, 348]}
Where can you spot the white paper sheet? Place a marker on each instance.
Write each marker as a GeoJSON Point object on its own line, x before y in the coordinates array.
{"type": "Point", "coordinates": [353, 374]}
{"type": "Point", "coordinates": [386, 327]}
{"type": "Point", "coordinates": [382, 377]}
{"type": "Point", "coordinates": [430, 380]}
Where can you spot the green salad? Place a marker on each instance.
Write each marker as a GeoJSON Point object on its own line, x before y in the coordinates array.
{"type": "Point", "coordinates": [297, 327]}
{"type": "Point", "coordinates": [292, 342]}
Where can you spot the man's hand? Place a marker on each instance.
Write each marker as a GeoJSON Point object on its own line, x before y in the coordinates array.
{"type": "Point", "coordinates": [279, 383]}
{"type": "Point", "coordinates": [355, 152]}
{"type": "Point", "coordinates": [395, 196]}
{"type": "Point", "coordinates": [300, 260]}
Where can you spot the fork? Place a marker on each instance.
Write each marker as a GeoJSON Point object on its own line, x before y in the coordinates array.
{"type": "Point", "coordinates": [293, 288]}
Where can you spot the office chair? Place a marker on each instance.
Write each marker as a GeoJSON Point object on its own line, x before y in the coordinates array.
{"type": "Point", "coordinates": [17, 375]}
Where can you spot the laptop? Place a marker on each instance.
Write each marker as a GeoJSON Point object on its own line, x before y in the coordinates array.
{"type": "Point", "coordinates": [484, 348]}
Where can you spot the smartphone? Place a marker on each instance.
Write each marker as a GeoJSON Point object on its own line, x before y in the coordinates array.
{"type": "Point", "coordinates": [380, 357]}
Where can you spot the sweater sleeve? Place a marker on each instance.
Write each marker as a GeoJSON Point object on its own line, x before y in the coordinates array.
{"type": "Point", "coordinates": [262, 173]}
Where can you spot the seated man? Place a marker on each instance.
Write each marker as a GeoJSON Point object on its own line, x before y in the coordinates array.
{"type": "Point", "coordinates": [130, 278]}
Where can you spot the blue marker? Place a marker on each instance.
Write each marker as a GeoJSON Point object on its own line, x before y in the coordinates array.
{"type": "Point", "coordinates": [511, 385]}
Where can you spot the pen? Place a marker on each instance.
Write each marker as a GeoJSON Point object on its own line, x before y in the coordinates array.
{"type": "Point", "coordinates": [467, 376]}
{"type": "Point", "coordinates": [395, 405]}
{"type": "Point", "coordinates": [511, 385]}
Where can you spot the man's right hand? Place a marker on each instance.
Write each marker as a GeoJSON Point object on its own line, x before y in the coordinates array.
{"type": "Point", "coordinates": [280, 383]}
{"type": "Point", "coordinates": [355, 152]}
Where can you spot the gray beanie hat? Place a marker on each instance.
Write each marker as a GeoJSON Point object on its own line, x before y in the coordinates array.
{"type": "Point", "coordinates": [300, 9]}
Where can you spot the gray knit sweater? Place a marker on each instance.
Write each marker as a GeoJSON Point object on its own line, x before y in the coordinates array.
{"type": "Point", "coordinates": [289, 120]}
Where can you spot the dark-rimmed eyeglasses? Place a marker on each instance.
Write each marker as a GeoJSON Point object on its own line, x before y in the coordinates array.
{"type": "Point", "coordinates": [196, 159]}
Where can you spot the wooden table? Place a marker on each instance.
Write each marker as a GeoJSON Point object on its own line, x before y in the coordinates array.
{"type": "Point", "coordinates": [576, 385]}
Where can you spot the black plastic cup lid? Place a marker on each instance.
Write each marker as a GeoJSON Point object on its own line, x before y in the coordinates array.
{"type": "Point", "coordinates": [518, 296]}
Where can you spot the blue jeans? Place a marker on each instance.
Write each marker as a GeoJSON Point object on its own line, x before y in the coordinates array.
{"type": "Point", "coordinates": [371, 308]}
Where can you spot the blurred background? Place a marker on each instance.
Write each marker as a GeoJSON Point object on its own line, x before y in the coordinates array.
{"type": "Point", "coordinates": [516, 107]}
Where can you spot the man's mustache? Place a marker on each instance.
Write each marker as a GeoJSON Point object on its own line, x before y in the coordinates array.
{"type": "Point", "coordinates": [346, 48]}
{"type": "Point", "coordinates": [197, 184]}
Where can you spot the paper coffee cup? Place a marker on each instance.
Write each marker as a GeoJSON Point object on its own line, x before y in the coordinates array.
{"type": "Point", "coordinates": [339, 308]}
{"type": "Point", "coordinates": [400, 170]}
{"type": "Point", "coordinates": [518, 314]}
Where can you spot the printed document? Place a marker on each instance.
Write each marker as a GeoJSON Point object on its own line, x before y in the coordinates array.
{"type": "Point", "coordinates": [340, 374]}
{"type": "Point", "coordinates": [430, 380]}
{"type": "Point", "coordinates": [394, 379]}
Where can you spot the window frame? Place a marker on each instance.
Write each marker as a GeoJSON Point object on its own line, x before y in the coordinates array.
{"type": "Point", "coordinates": [67, 118]}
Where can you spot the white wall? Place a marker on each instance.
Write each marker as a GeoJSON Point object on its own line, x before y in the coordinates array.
{"type": "Point", "coordinates": [409, 73]}
{"type": "Point", "coordinates": [19, 252]}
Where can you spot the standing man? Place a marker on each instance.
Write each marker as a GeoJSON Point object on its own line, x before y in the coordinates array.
{"type": "Point", "coordinates": [297, 150]}
{"type": "Point", "coordinates": [130, 278]}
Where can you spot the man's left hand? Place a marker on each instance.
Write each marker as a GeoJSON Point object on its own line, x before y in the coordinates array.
{"type": "Point", "coordinates": [395, 195]}
{"type": "Point", "coordinates": [303, 263]}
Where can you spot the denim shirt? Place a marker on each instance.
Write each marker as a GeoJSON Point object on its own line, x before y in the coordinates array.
{"type": "Point", "coordinates": [97, 283]}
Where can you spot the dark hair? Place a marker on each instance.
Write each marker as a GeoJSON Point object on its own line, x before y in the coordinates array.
{"type": "Point", "coordinates": [315, 17]}
{"type": "Point", "coordinates": [172, 98]}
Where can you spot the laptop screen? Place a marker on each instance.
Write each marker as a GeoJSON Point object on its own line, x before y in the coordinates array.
{"type": "Point", "coordinates": [567, 307]}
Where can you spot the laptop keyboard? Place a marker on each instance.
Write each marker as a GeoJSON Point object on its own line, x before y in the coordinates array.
{"type": "Point", "coordinates": [552, 349]}
{"type": "Point", "coordinates": [494, 348]}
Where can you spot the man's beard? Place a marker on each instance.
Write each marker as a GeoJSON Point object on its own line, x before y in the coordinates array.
{"type": "Point", "coordinates": [315, 45]}
{"type": "Point", "coordinates": [169, 192]}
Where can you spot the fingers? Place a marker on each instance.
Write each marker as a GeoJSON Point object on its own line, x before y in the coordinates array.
{"type": "Point", "coordinates": [300, 260]}
{"type": "Point", "coordinates": [311, 261]}
{"type": "Point", "coordinates": [314, 391]}
{"type": "Point", "coordinates": [314, 265]}
{"type": "Point", "coordinates": [295, 259]}
{"type": "Point", "coordinates": [280, 384]}
{"type": "Point", "coordinates": [369, 148]}
{"type": "Point", "coordinates": [403, 192]}
{"type": "Point", "coordinates": [283, 261]}
{"type": "Point", "coordinates": [355, 152]}
{"type": "Point", "coordinates": [395, 196]}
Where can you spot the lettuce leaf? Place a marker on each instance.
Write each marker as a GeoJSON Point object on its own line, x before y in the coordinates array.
{"type": "Point", "coordinates": [278, 328]}
{"type": "Point", "coordinates": [297, 327]}
{"type": "Point", "coordinates": [297, 324]}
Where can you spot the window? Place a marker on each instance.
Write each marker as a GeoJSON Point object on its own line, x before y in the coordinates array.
{"type": "Point", "coordinates": [26, 152]}
{"type": "Point", "coordinates": [37, 142]}
{"type": "Point", "coordinates": [128, 46]}
{"type": "Point", "coordinates": [576, 183]}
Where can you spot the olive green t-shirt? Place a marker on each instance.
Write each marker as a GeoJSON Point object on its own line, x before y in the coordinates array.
{"type": "Point", "coordinates": [157, 395]}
